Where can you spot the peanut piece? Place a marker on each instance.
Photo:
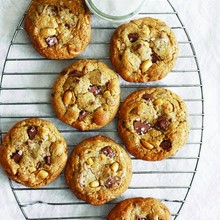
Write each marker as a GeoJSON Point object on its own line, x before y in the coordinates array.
{"type": "Point", "coordinates": [79, 25]}
{"type": "Point", "coordinates": [87, 20]}
{"type": "Point", "coordinates": [43, 174]}
{"type": "Point", "coordinates": [94, 184]}
{"type": "Point", "coordinates": [146, 65]}
{"type": "Point", "coordinates": [156, 217]}
{"type": "Point", "coordinates": [32, 169]}
{"type": "Point", "coordinates": [147, 144]}
{"type": "Point", "coordinates": [58, 149]}
{"type": "Point", "coordinates": [158, 102]}
{"type": "Point", "coordinates": [48, 32]}
{"type": "Point", "coordinates": [103, 157]}
{"type": "Point", "coordinates": [89, 161]}
{"type": "Point", "coordinates": [146, 30]}
{"type": "Point", "coordinates": [168, 107]}
{"type": "Point", "coordinates": [115, 166]}
{"type": "Point", "coordinates": [67, 98]}
{"type": "Point", "coordinates": [40, 8]}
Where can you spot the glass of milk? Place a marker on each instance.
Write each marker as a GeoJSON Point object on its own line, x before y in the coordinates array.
{"type": "Point", "coordinates": [115, 10]}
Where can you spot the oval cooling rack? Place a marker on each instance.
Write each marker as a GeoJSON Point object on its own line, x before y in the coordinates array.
{"type": "Point", "coordinates": [25, 90]}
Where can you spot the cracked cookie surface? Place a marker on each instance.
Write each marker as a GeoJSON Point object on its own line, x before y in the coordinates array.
{"type": "Point", "coordinates": [140, 209]}
{"type": "Point", "coordinates": [86, 95]}
{"type": "Point", "coordinates": [33, 152]}
{"type": "Point", "coordinates": [58, 29]}
{"type": "Point", "coordinates": [143, 50]}
{"type": "Point", "coordinates": [98, 170]}
{"type": "Point", "coordinates": [153, 123]}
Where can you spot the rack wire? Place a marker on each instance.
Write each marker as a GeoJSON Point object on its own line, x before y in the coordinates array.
{"type": "Point", "coordinates": [25, 88]}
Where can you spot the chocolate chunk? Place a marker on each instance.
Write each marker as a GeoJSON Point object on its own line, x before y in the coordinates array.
{"type": "Point", "coordinates": [32, 131]}
{"type": "Point", "coordinates": [155, 58]}
{"type": "Point", "coordinates": [148, 217]}
{"type": "Point", "coordinates": [82, 115]}
{"type": "Point", "coordinates": [76, 73]}
{"type": "Point", "coordinates": [133, 37]}
{"type": "Point", "coordinates": [147, 97]}
{"type": "Point", "coordinates": [141, 127]}
{"type": "Point", "coordinates": [162, 123]}
{"type": "Point", "coordinates": [51, 41]}
{"type": "Point", "coordinates": [108, 152]}
{"type": "Point", "coordinates": [166, 144]}
{"type": "Point", "coordinates": [110, 182]}
{"type": "Point", "coordinates": [54, 10]}
{"type": "Point", "coordinates": [96, 90]}
{"type": "Point", "coordinates": [137, 47]}
{"type": "Point", "coordinates": [17, 156]}
{"type": "Point", "coordinates": [38, 165]}
{"type": "Point", "coordinates": [124, 124]}
{"type": "Point", "coordinates": [47, 160]}
{"type": "Point", "coordinates": [69, 26]}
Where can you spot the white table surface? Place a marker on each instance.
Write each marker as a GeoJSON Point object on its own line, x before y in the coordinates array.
{"type": "Point", "coordinates": [202, 20]}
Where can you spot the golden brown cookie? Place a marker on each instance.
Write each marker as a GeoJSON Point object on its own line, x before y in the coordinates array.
{"type": "Point", "coordinates": [86, 95]}
{"type": "Point", "coordinates": [33, 152]}
{"type": "Point", "coordinates": [143, 50]}
{"type": "Point", "coordinates": [98, 170]}
{"type": "Point", "coordinates": [58, 29]}
{"type": "Point", "coordinates": [140, 209]}
{"type": "Point", "coordinates": [153, 123]}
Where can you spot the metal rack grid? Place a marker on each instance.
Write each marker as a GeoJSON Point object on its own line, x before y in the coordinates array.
{"type": "Point", "coordinates": [25, 89]}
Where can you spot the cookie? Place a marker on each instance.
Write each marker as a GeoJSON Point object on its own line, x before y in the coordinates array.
{"type": "Point", "coordinates": [86, 95]}
{"type": "Point", "coordinates": [140, 209]}
{"type": "Point", "coordinates": [153, 123]}
{"type": "Point", "coordinates": [58, 29]}
{"type": "Point", "coordinates": [143, 50]}
{"type": "Point", "coordinates": [33, 152]}
{"type": "Point", "coordinates": [98, 170]}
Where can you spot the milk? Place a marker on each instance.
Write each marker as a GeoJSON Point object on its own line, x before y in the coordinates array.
{"type": "Point", "coordinates": [117, 7]}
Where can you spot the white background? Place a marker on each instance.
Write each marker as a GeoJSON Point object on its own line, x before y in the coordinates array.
{"type": "Point", "coordinates": [202, 21]}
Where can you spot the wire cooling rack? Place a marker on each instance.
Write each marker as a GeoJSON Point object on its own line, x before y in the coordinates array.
{"type": "Point", "coordinates": [25, 90]}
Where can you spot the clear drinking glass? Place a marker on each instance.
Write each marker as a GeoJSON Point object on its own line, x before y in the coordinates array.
{"type": "Point", "coordinates": [115, 10]}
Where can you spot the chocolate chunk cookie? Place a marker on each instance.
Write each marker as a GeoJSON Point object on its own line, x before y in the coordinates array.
{"type": "Point", "coordinates": [140, 209]}
{"type": "Point", "coordinates": [58, 29]}
{"type": "Point", "coordinates": [33, 152]}
{"type": "Point", "coordinates": [98, 170]}
{"type": "Point", "coordinates": [143, 50]}
{"type": "Point", "coordinates": [86, 95]}
{"type": "Point", "coordinates": [153, 123]}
